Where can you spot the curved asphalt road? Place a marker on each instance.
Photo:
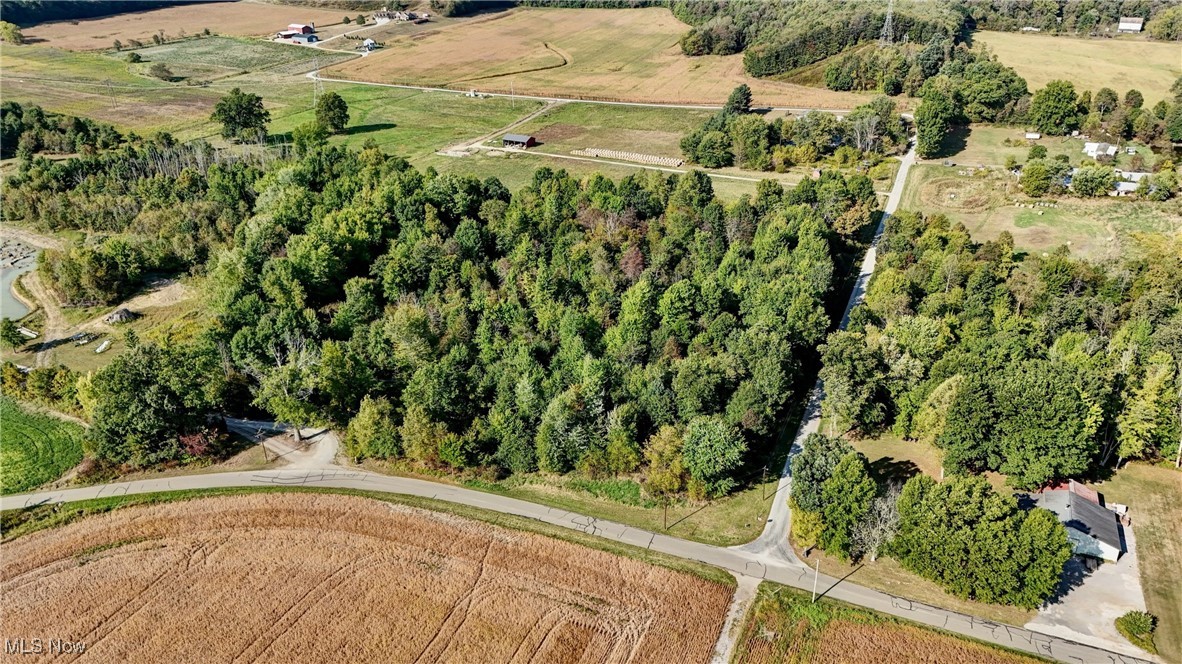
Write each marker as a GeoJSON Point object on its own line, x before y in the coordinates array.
{"type": "Point", "coordinates": [768, 557]}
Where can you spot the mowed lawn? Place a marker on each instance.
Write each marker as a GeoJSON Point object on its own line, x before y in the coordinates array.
{"type": "Point", "coordinates": [232, 55]}
{"type": "Point", "coordinates": [1120, 64]}
{"type": "Point", "coordinates": [986, 144]}
{"type": "Point", "coordinates": [985, 203]}
{"type": "Point", "coordinates": [34, 448]}
{"type": "Point", "coordinates": [1154, 497]}
{"type": "Point", "coordinates": [618, 54]}
{"type": "Point", "coordinates": [783, 625]}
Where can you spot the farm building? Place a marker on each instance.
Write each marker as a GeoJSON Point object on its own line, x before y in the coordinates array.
{"type": "Point", "coordinates": [1094, 150]}
{"type": "Point", "coordinates": [1130, 24]}
{"type": "Point", "coordinates": [518, 141]}
{"type": "Point", "coordinates": [301, 28]}
{"type": "Point", "coordinates": [1033, 135]}
{"type": "Point", "coordinates": [1094, 529]}
{"type": "Point", "coordinates": [369, 44]}
{"type": "Point", "coordinates": [305, 39]}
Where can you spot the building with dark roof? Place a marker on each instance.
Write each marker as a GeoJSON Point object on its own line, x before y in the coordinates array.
{"type": "Point", "coordinates": [1094, 529]}
{"type": "Point", "coordinates": [518, 141]}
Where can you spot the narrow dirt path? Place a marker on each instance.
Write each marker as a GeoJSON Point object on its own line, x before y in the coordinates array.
{"type": "Point", "coordinates": [56, 326]}
{"type": "Point", "coordinates": [475, 142]}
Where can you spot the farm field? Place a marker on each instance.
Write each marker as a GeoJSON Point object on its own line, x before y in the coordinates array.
{"type": "Point", "coordinates": [784, 626]}
{"type": "Point", "coordinates": [234, 55]}
{"type": "Point", "coordinates": [1154, 496]}
{"type": "Point", "coordinates": [242, 19]}
{"type": "Point", "coordinates": [985, 204]}
{"type": "Point", "coordinates": [1090, 64]}
{"type": "Point", "coordinates": [316, 570]}
{"type": "Point", "coordinates": [34, 448]}
{"type": "Point", "coordinates": [576, 53]}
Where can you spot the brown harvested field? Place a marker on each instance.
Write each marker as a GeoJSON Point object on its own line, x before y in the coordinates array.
{"type": "Point", "coordinates": [319, 577]}
{"type": "Point", "coordinates": [845, 642]}
{"type": "Point", "coordinates": [239, 19]}
{"type": "Point", "coordinates": [613, 54]}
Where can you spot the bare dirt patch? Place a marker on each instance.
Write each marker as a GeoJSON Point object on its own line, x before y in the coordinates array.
{"type": "Point", "coordinates": [242, 19]}
{"type": "Point", "coordinates": [845, 642]}
{"type": "Point", "coordinates": [302, 577]}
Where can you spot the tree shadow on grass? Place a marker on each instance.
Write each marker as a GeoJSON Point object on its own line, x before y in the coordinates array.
{"type": "Point", "coordinates": [955, 141]}
{"type": "Point", "coordinates": [888, 469]}
{"type": "Point", "coordinates": [369, 128]}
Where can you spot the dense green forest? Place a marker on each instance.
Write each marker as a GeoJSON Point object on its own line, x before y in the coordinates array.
{"type": "Point", "coordinates": [30, 12]}
{"type": "Point", "coordinates": [597, 325]}
{"type": "Point", "coordinates": [1041, 367]}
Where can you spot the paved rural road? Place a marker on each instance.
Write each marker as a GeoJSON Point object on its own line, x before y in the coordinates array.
{"type": "Point", "coordinates": [768, 557]}
{"type": "Point", "coordinates": [772, 544]}
{"type": "Point", "coordinates": [735, 560]}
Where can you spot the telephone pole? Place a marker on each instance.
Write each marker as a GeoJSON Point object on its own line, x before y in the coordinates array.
{"type": "Point", "coordinates": [816, 576]}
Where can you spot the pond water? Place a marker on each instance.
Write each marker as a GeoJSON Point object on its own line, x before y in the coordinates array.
{"type": "Point", "coordinates": [13, 265]}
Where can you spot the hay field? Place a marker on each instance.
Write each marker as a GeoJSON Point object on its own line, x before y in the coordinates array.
{"type": "Point", "coordinates": [615, 54]}
{"type": "Point", "coordinates": [318, 577]}
{"type": "Point", "coordinates": [240, 19]}
{"type": "Point", "coordinates": [34, 448]}
{"type": "Point", "coordinates": [1090, 64]}
{"type": "Point", "coordinates": [784, 626]}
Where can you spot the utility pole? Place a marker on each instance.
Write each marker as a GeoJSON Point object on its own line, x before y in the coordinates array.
{"type": "Point", "coordinates": [816, 576]}
{"type": "Point", "coordinates": [763, 482]}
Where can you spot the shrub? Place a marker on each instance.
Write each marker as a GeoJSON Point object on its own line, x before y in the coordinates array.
{"type": "Point", "coordinates": [1138, 628]}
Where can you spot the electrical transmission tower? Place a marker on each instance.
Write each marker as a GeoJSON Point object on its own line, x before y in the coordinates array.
{"type": "Point", "coordinates": [317, 84]}
{"type": "Point", "coordinates": [888, 27]}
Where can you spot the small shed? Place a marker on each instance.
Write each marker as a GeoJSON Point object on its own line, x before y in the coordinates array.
{"type": "Point", "coordinates": [1033, 135]}
{"type": "Point", "coordinates": [1131, 24]}
{"type": "Point", "coordinates": [120, 315]}
{"type": "Point", "coordinates": [369, 44]}
{"type": "Point", "coordinates": [305, 39]}
{"type": "Point", "coordinates": [518, 141]}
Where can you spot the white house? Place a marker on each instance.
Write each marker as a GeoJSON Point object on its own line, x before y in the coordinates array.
{"type": "Point", "coordinates": [1094, 150]}
{"type": "Point", "coordinates": [1130, 24]}
{"type": "Point", "coordinates": [1094, 530]}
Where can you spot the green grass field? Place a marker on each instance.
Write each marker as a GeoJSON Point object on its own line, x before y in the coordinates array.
{"type": "Point", "coordinates": [34, 448]}
{"type": "Point", "coordinates": [232, 55]}
{"type": "Point", "coordinates": [986, 144]}
{"type": "Point", "coordinates": [784, 625]}
{"type": "Point", "coordinates": [1154, 497]}
{"type": "Point", "coordinates": [985, 203]}
{"type": "Point", "coordinates": [1120, 64]}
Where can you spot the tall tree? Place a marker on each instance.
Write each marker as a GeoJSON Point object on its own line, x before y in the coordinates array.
{"type": "Point", "coordinates": [332, 112]}
{"type": "Point", "coordinates": [242, 115]}
{"type": "Point", "coordinates": [845, 499]}
{"type": "Point", "coordinates": [1055, 108]}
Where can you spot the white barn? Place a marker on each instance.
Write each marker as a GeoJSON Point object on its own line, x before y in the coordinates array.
{"type": "Point", "coordinates": [1130, 24]}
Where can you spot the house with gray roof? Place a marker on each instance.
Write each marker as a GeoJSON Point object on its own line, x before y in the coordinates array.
{"type": "Point", "coordinates": [1094, 529]}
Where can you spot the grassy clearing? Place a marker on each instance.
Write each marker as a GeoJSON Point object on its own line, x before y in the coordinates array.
{"type": "Point", "coordinates": [1120, 64]}
{"type": "Point", "coordinates": [985, 203]}
{"type": "Point", "coordinates": [647, 65]}
{"type": "Point", "coordinates": [1154, 497]}
{"type": "Point", "coordinates": [34, 448]}
{"type": "Point", "coordinates": [241, 19]}
{"type": "Point", "coordinates": [985, 145]}
{"type": "Point", "coordinates": [893, 459]}
{"type": "Point", "coordinates": [735, 519]}
{"type": "Point", "coordinates": [783, 625]}
{"type": "Point", "coordinates": [232, 55]}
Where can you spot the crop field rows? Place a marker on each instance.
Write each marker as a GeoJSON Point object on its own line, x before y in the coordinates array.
{"type": "Point", "coordinates": [34, 448]}
{"type": "Point", "coordinates": [298, 577]}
